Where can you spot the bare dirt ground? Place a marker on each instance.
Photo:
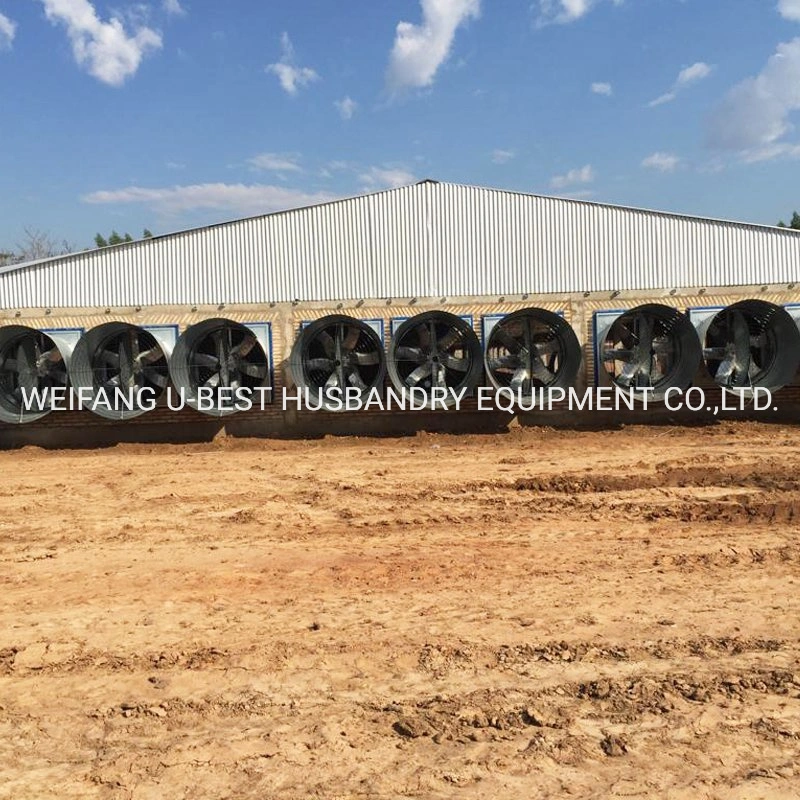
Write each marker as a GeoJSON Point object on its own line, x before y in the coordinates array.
{"type": "Point", "coordinates": [538, 614]}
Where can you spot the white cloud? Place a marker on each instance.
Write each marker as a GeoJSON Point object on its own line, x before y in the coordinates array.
{"type": "Point", "coordinates": [419, 50]}
{"type": "Point", "coordinates": [8, 30]}
{"type": "Point", "coordinates": [291, 76]}
{"type": "Point", "coordinates": [173, 7]}
{"type": "Point", "coordinates": [667, 97]}
{"type": "Point", "coordinates": [663, 162]}
{"type": "Point", "coordinates": [233, 198]}
{"type": "Point", "coordinates": [502, 156]}
{"type": "Point", "coordinates": [104, 48]}
{"type": "Point", "coordinates": [790, 9]}
{"type": "Point", "coordinates": [754, 117]}
{"type": "Point", "coordinates": [686, 77]}
{"type": "Point", "coordinates": [386, 178]}
{"type": "Point", "coordinates": [573, 177]}
{"type": "Point", "coordinates": [564, 11]}
{"type": "Point", "coordinates": [692, 74]}
{"type": "Point", "coordinates": [346, 107]}
{"type": "Point", "coordinates": [276, 162]}
{"type": "Point", "coordinates": [602, 88]}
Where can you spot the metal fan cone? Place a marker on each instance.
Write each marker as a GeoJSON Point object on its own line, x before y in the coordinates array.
{"type": "Point", "coordinates": [31, 364]}
{"type": "Point", "coordinates": [531, 349]}
{"type": "Point", "coordinates": [651, 347]}
{"type": "Point", "coordinates": [119, 369]}
{"type": "Point", "coordinates": [435, 350]}
{"type": "Point", "coordinates": [752, 344]}
{"type": "Point", "coordinates": [216, 364]}
{"type": "Point", "coordinates": [335, 357]}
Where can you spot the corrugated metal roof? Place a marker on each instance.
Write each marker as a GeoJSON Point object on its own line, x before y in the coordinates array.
{"type": "Point", "coordinates": [426, 240]}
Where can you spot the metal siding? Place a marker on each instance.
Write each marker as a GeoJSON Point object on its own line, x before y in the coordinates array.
{"type": "Point", "coordinates": [428, 240]}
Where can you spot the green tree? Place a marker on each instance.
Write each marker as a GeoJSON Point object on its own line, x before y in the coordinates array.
{"type": "Point", "coordinates": [115, 238]}
{"type": "Point", "coordinates": [794, 224]}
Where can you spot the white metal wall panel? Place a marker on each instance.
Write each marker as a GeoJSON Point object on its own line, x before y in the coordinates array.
{"type": "Point", "coordinates": [427, 240]}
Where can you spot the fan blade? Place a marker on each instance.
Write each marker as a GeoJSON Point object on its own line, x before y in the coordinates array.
{"type": "Point", "coordinates": [423, 336]}
{"type": "Point", "coordinates": [547, 348]}
{"type": "Point", "coordinates": [156, 378]}
{"type": "Point", "coordinates": [422, 371]}
{"type": "Point", "coordinates": [253, 370]}
{"type": "Point", "coordinates": [110, 358]}
{"type": "Point", "coordinates": [244, 347]}
{"type": "Point", "coordinates": [328, 345]}
{"type": "Point", "coordinates": [351, 339]}
{"type": "Point", "coordinates": [510, 361]}
{"type": "Point", "coordinates": [26, 362]}
{"type": "Point", "coordinates": [53, 355]}
{"type": "Point", "coordinates": [366, 359]}
{"type": "Point", "coordinates": [519, 379]}
{"type": "Point", "coordinates": [725, 371]}
{"type": "Point", "coordinates": [618, 355]}
{"type": "Point", "coordinates": [150, 356]}
{"type": "Point", "coordinates": [506, 339]}
{"type": "Point", "coordinates": [323, 364]}
{"type": "Point", "coordinates": [541, 373]}
{"type": "Point", "coordinates": [457, 364]}
{"type": "Point", "coordinates": [404, 353]}
{"type": "Point", "coordinates": [453, 336]}
{"type": "Point", "coordinates": [206, 360]}
{"type": "Point", "coordinates": [355, 379]}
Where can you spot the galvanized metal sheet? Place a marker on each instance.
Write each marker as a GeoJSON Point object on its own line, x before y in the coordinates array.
{"type": "Point", "coordinates": [428, 240]}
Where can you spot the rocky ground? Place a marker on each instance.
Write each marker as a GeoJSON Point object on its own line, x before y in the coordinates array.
{"type": "Point", "coordinates": [536, 614]}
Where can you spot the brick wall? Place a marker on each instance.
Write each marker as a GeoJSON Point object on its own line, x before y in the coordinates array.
{"type": "Point", "coordinates": [83, 428]}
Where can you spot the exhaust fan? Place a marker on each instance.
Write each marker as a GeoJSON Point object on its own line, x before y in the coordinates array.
{"type": "Point", "coordinates": [215, 358]}
{"type": "Point", "coordinates": [337, 352]}
{"type": "Point", "coordinates": [532, 348]}
{"type": "Point", "coordinates": [30, 361]}
{"type": "Point", "coordinates": [114, 362]}
{"type": "Point", "coordinates": [750, 344]}
{"type": "Point", "coordinates": [652, 347]}
{"type": "Point", "coordinates": [435, 349]}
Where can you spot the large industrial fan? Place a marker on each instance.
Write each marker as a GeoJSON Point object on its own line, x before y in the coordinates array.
{"type": "Point", "coordinates": [113, 363]}
{"type": "Point", "coordinates": [651, 347]}
{"type": "Point", "coordinates": [213, 360]}
{"type": "Point", "coordinates": [435, 349]}
{"type": "Point", "coordinates": [531, 349]}
{"type": "Point", "coordinates": [31, 363]}
{"type": "Point", "coordinates": [335, 354]}
{"type": "Point", "coordinates": [752, 343]}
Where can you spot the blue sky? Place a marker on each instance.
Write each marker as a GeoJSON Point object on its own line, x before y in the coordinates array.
{"type": "Point", "coordinates": [169, 114]}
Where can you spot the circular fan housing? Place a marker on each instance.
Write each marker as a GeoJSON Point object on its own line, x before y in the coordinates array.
{"type": "Point", "coordinates": [337, 352]}
{"type": "Point", "coordinates": [531, 349]}
{"type": "Point", "coordinates": [750, 344]}
{"type": "Point", "coordinates": [30, 361]}
{"type": "Point", "coordinates": [651, 347]}
{"type": "Point", "coordinates": [435, 349]}
{"type": "Point", "coordinates": [219, 355]}
{"type": "Point", "coordinates": [113, 363]}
